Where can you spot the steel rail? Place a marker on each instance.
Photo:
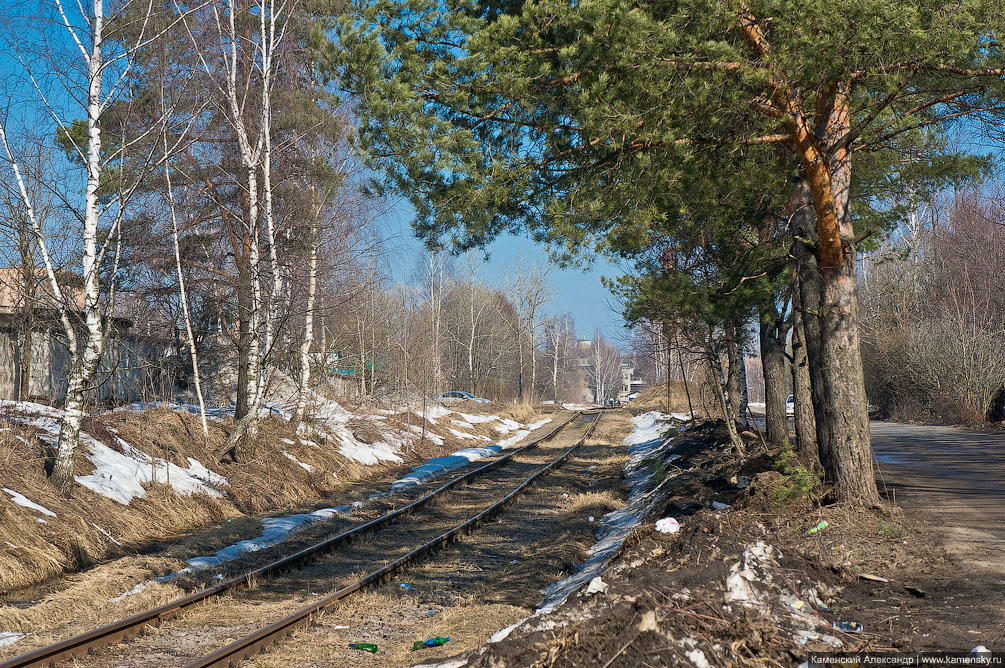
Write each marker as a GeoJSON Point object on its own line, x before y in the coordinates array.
{"type": "Point", "coordinates": [123, 629]}
{"type": "Point", "coordinates": [244, 648]}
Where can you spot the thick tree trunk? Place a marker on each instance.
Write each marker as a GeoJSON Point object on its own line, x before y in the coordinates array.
{"type": "Point", "coordinates": [772, 335]}
{"type": "Point", "coordinates": [802, 393]}
{"type": "Point", "coordinates": [828, 282]}
{"type": "Point", "coordinates": [830, 309]}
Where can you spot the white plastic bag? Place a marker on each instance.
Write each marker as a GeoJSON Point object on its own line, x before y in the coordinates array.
{"type": "Point", "coordinates": [667, 525]}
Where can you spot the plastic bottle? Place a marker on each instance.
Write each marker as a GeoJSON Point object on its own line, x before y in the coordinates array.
{"type": "Point", "coordinates": [365, 646]}
{"type": "Point", "coordinates": [848, 627]}
{"type": "Point", "coordinates": [432, 642]}
{"type": "Point", "coordinates": [819, 527]}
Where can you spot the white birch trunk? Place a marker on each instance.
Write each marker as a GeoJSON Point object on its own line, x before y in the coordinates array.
{"type": "Point", "coordinates": [308, 340]}
{"type": "Point", "coordinates": [85, 363]}
{"type": "Point", "coordinates": [184, 297]}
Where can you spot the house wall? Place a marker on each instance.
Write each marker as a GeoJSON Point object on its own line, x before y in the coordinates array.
{"type": "Point", "coordinates": [126, 372]}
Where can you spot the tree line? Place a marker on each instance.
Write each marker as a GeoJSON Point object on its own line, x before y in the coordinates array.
{"type": "Point", "coordinates": [735, 155]}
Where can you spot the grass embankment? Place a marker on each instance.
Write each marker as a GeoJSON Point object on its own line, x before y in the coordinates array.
{"type": "Point", "coordinates": [279, 472]}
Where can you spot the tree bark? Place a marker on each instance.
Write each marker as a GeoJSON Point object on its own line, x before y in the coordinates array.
{"type": "Point", "coordinates": [744, 394]}
{"type": "Point", "coordinates": [308, 340]}
{"type": "Point", "coordinates": [803, 418]}
{"type": "Point", "coordinates": [830, 310]}
{"type": "Point", "coordinates": [85, 362]}
{"type": "Point", "coordinates": [772, 335]}
{"type": "Point", "coordinates": [733, 371]}
{"type": "Point", "coordinates": [828, 282]}
{"type": "Point", "coordinates": [719, 384]}
{"type": "Point", "coordinates": [24, 382]}
{"type": "Point", "coordinates": [243, 348]}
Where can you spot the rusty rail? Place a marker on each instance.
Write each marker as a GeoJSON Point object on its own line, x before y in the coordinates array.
{"type": "Point", "coordinates": [233, 654]}
{"type": "Point", "coordinates": [133, 625]}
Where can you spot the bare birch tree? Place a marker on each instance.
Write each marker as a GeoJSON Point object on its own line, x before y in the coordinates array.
{"type": "Point", "coordinates": [529, 289]}
{"type": "Point", "coordinates": [99, 80]}
{"type": "Point", "coordinates": [604, 368]}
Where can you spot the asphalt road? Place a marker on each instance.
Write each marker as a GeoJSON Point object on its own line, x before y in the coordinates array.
{"type": "Point", "coordinates": [959, 475]}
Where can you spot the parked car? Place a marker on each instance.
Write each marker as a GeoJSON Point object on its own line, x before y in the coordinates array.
{"type": "Point", "coordinates": [790, 406]}
{"type": "Point", "coordinates": [452, 396]}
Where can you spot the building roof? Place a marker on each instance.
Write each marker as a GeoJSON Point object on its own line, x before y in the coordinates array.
{"type": "Point", "coordinates": [13, 292]}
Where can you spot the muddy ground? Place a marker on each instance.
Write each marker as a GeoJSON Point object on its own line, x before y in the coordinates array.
{"type": "Point", "coordinates": [896, 571]}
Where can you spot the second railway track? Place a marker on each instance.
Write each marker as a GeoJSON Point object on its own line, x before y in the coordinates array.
{"type": "Point", "coordinates": [365, 556]}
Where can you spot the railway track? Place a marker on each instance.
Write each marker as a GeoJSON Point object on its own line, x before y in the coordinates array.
{"type": "Point", "coordinates": [430, 536]}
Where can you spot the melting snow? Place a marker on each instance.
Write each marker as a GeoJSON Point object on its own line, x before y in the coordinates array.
{"type": "Point", "coordinates": [278, 529]}
{"type": "Point", "coordinates": [440, 465]}
{"type": "Point", "coordinates": [24, 502]}
{"type": "Point", "coordinates": [435, 438]}
{"type": "Point", "coordinates": [644, 442]}
{"type": "Point", "coordinates": [132, 592]}
{"type": "Point", "coordinates": [306, 467]}
{"type": "Point", "coordinates": [274, 530]}
{"type": "Point", "coordinates": [121, 475]}
{"type": "Point", "coordinates": [9, 637]}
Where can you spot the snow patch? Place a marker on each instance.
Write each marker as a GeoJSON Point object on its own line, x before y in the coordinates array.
{"type": "Point", "coordinates": [274, 530]}
{"type": "Point", "coordinates": [644, 442]}
{"type": "Point", "coordinates": [306, 467]}
{"type": "Point", "coordinates": [439, 465]}
{"type": "Point", "coordinates": [132, 592]}
{"type": "Point", "coordinates": [436, 439]}
{"type": "Point", "coordinates": [24, 502]}
{"type": "Point", "coordinates": [10, 637]}
{"type": "Point", "coordinates": [120, 475]}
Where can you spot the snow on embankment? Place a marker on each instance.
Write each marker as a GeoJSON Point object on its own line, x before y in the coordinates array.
{"type": "Point", "coordinates": [119, 476]}
{"type": "Point", "coordinates": [327, 420]}
{"type": "Point", "coordinates": [440, 465]}
{"type": "Point", "coordinates": [274, 531]}
{"type": "Point", "coordinates": [646, 442]}
{"type": "Point", "coordinates": [277, 529]}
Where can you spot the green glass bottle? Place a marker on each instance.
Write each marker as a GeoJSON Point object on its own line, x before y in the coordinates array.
{"type": "Point", "coordinates": [432, 642]}
{"type": "Point", "coordinates": [365, 646]}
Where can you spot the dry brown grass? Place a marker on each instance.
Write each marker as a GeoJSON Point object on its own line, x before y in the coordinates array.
{"type": "Point", "coordinates": [523, 412]}
{"type": "Point", "coordinates": [91, 528]}
{"type": "Point", "coordinates": [593, 503]}
{"type": "Point", "coordinates": [393, 624]}
{"type": "Point", "coordinates": [84, 602]}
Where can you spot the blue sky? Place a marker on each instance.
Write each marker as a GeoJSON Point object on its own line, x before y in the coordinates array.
{"type": "Point", "coordinates": [579, 292]}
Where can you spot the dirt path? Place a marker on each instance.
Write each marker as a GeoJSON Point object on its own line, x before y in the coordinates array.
{"type": "Point", "coordinates": [519, 551]}
{"type": "Point", "coordinates": [956, 477]}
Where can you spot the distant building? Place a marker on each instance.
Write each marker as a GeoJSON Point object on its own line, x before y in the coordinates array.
{"type": "Point", "coordinates": [630, 385]}
{"type": "Point", "coordinates": [30, 325]}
